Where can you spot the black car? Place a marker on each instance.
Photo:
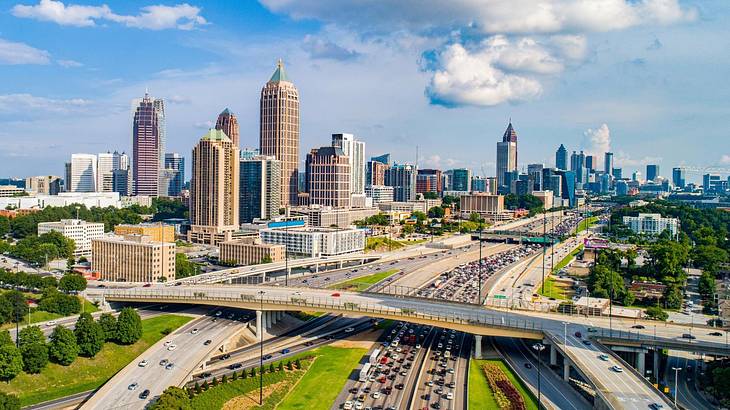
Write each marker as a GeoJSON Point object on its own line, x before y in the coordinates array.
{"type": "Point", "coordinates": [715, 334]}
{"type": "Point", "coordinates": [145, 394]}
{"type": "Point", "coordinates": [226, 356]}
{"type": "Point", "coordinates": [638, 327]}
{"type": "Point", "coordinates": [267, 357]}
{"type": "Point", "coordinates": [528, 365]}
{"type": "Point", "coordinates": [235, 366]}
{"type": "Point", "coordinates": [688, 336]}
{"type": "Point", "coordinates": [207, 342]}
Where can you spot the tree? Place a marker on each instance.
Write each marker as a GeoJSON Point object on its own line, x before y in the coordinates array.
{"type": "Point", "coordinates": [108, 324]}
{"type": "Point", "coordinates": [298, 363]}
{"type": "Point", "coordinates": [184, 268]}
{"type": "Point", "coordinates": [5, 338]}
{"type": "Point", "coordinates": [70, 262]}
{"type": "Point", "coordinates": [56, 302]}
{"type": "Point", "coordinates": [30, 335]}
{"type": "Point", "coordinates": [657, 313]}
{"type": "Point", "coordinates": [706, 285]}
{"type": "Point", "coordinates": [436, 212]}
{"type": "Point", "coordinates": [35, 357]}
{"type": "Point", "coordinates": [173, 398]}
{"type": "Point", "coordinates": [9, 402]}
{"type": "Point", "coordinates": [63, 348]}
{"type": "Point", "coordinates": [11, 362]}
{"type": "Point", "coordinates": [4, 226]}
{"type": "Point", "coordinates": [430, 195]}
{"type": "Point", "coordinates": [89, 335]}
{"type": "Point", "coordinates": [129, 326]}
{"type": "Point", "coordinates": [6, 310]}
{"type": "Point", "coordinates": [281, 366]}
{"type": "Point", "coordinates": [266, 259]}
{"type": "Point", "coordinates": [72, 282]}
{"type": "Point", "coordinates": [271, 368]}
{"type": "Point", "coordinates": [673, 296]}
{"type": "Point", "coordinates": [19, 306]}
{"type": "Point", "coordinates": [709, 257]}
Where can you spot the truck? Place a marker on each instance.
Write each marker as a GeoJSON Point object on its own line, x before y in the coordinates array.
{"type": "Point", "coordinates": [374, 356]}
{"type": "Point", "coordinates": [364, 372]}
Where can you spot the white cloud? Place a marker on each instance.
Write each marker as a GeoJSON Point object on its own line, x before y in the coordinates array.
{"type": "Point", "coordinates": [159, 17]}
{"type": "Point", "coordinates": [25, 103]}
{"type": "Point", "coordinates": [623, 159]}
{"type": "Point", "coordinates": [204, 125]}
{"type": "Point", "coordinates": [319, 48]}
{"type": "Point", "coordinates": [725, 159]}
{"type": "Point", "coordinates": [436, 161]}
{"type": "Point", "coordinates": [489, 16]}
{"type": "Point", "coordinates": [19, 53]}
{"type": "Point", "coordinates": [598, 141]}
{"type": "Point", "coordinates": [69, 63]}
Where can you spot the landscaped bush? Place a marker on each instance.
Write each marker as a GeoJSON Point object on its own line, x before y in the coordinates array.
{"type": "Point", "coordinates": [505, 393]}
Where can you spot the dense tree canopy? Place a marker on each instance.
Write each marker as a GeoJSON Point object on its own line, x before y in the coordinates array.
{"type": "Point", "coordinates": [129, 326]}
{"type": "Point", "coordinates": [173, 398]}
{"type": "Point", "coordinates": [108, 324]}
{"type": "Point", "coordinates": [72, 282]}
{"type": "Point", "coordinates": [63, 348]}
{"type": "Point", "coordinates": [166, 208]}
{"type": "Point", "coordinates": [89, 335]}
{"type": "Point", "coordinates": [11, 362]}
{"type": "Point", "coordinates": [35, 357]}
{"type": "Point", "coordinates": [9, 402]}
{"type": "Point", "coordinates": [184, 268]}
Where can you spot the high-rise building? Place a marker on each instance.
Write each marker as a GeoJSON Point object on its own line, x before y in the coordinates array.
{"type": "Point", "coordinates": [402, 177]}
{"type": "Point", "coordinates": [328, 177]}
{"type": "Point", "coordinates": [122, 181]}
{"type": "Point", "coordinates": [355, 151]}
{"type": "Point", "coordinates": [617, 173]}
{"type": "Point", "coordinates": [622, 188]}
{"type": "Point", "coordinates": [652, 172]}
{"type": "Point", "coordinates": [107, 163]}
{"type": "Point", "coordinates": [214, 189]}
{"type": "Point", "coordinates": [506, 154]}
{"type": "Point", "coordinates": [567, 188]}
{"type": "Point", "coordinates": [591, 163]}
{"type": "Point", "coordinates": [608, 163]}
{"type": "Point", "coordinates": [228, 123]}
{"type": "Point", "coordinates": [561, 158]}
{"type": "Point", "coordinates": [375, 171]}
{"type": "Point", "coordinates": [279, 130]}
{"type": "Point", "coordinates": [713, 184]}
{"type": "Point", "coordinates": [535, 171]}
{"type": "Point", "coordinates": [83, 173]}
{"type": "Point", "coordinates": [578, 166]}
{"type": "Point", "coordinates": [428, 180]}
{"type": "Point", "coordinates": [176, 163]}
{"type": "Point", "coordinates": [260, 188]}
{"type": "Point", "coordinates": [148, 144]}
{"type": "Point", "coordinates": [679, 177]}
{"type": "Point", "coordinates": [44, 184]}
{"type": "Point", "coordinates": [460, 179]}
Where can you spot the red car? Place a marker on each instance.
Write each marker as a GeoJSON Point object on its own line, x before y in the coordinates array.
{"type": "Point", "coordinates": [336, 295]}
{"type": "Point", "coordinates": [146, 285]}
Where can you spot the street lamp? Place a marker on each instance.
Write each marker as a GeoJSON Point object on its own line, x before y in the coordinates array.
{"type": "Point", "coordinates": [479, 291]}
{"type": "Point", "coordinates": [565, 333]}
{"type": "Point", "coordinates": [539, 348]}
{"type": "Point", "coordinates": [676, 370]}
{"type": "Point", "coordinates": [543, 251]}
{"type": "Point", "coordinates": [261, 350]}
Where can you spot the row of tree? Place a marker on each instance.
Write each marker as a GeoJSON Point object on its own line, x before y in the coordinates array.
{"type": "Point", "coordinates": [32, 352]}
{"type": "Point", "coordinates": [40, 249]}
{"type": "Point", "coordinates": [70, 282]}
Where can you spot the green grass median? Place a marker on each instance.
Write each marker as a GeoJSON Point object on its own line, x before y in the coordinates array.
{"type": "Point", "coordinates": [85, 374]}
{"type": "Point", "coordinates": [481, 395]}
{"type": "Point", "coordinates": [363, 282]}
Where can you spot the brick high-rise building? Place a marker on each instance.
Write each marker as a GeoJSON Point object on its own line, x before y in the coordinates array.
{"type": "Point", "coordinates": [279, 130]}
{"type": "Point", "coordinates": [429, 180]}
{"type": "Point", "coordinates": [228, 123]}
{"type": "Point", "coordinates": [214, 189]}
{"type": "Point", "coordinates": [328, 177]}
{"type": "Point", "coordinates": [148, 144]}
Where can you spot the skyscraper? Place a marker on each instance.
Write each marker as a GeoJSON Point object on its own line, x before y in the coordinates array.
{"type": "Point", "coordinates": [176, 163]}
{"type": "Point", "coordinates": [561, 158]}
{"type": "Point", "coordinates": [535, 172]}
{"type": "Point", "coordinates": [148, 144]}
{"type": "Point", "coordinates": [260, 188]}
{"type": "Point", "coordinates": [428, 180]}
{"type": "Point", "coordinates": [355, 151]}
{"type": "Point", "coordinates": [652, 171]}
{"type": "Point", "coordinates": [578, 166]}
{"type": "Point", "coordinates": [107, 163]}
{"type": "Point", "coordinates": [679, 177]}
{"type": "Point", "coordinates": [506, 153]}
{"type": "Point", "coordinates": [83, 173]}
{"type": "Point", "coordinates": [214, 189]}
{"type": "Point", "coordinates": [461, 179]}
{"type": "Point", "coordinates": [279, 130]}
{"type": "Point", "coordinates": [228, 123]}
{"type": "Point", "coordinates": [591, 163]}
{"type": "Point", "coordinates": [328, 177]}
{"type": "Point", "coordinates": [608, 163]}
{"type": "Point", "coordinates": [402, 177]}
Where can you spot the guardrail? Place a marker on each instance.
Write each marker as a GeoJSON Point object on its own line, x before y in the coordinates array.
{"type": "Point", "coordinates": [326, 304]}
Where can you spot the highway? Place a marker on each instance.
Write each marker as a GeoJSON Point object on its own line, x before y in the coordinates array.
{"type": "Point", "coordinates": [442, 380]}
{"type": "Point", "coordinates": [689, 396]}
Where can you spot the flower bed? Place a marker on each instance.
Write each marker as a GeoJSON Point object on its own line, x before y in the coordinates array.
{"type": "Point", "coordinates": [505, 393]}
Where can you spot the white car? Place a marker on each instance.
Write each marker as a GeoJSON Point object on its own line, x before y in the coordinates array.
{"type": "Point", "coordinates": [358, 405]}
{"type": "Point", "coordinates": [349, 330]}
{"type": "Point", "coordinates": [348, 405]}
{"type": "Point", "coordinates": [167, 343]}
{"type": "Point", "coordinates": [194, 331]}
{"type": "Point", "coordinates": [449, 395]}
{"type": "Point", "coordinates": [376, 395]}
{"type": "Point", "coordinates": [617, 369]}
{"type": "Point", "coordinates": [51, 323]}
{"type": "Point", "coordinates": [132, 386]}
{"type": "Point", "coordinates": [172, 347]}
{"type": "Point", "coordinates": [143, 363]}
{"type": "Point", "coordinates": [603, 357]}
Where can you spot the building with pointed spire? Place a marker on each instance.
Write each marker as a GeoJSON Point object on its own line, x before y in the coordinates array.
{"type": "Point", "coordinates": [148, 145]}
{"type": "Point", "coordinates": [506, 154]}
{"type": "Point", "coordinates": [214, 189]}
{"type": "Point", "coordinates": [279, 130]}
{"type": "Point", "coordinates": [228, 123]}
{"type": "Point", "coordinates": [561, 158]}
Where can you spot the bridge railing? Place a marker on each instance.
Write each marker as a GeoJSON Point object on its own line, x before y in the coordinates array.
{"type": "Point", "coordinates": [327, 304]}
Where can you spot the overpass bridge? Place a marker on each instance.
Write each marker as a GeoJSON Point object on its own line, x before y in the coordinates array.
{"type": "Point", "coordinates": [477, 320]}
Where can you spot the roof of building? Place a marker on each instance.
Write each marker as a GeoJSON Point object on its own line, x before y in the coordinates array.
{"type": "Point", "coordinates": [226, 112]}
{"type": "Point", "coordinates": [279, 75]}
{"type": "Point", "coordinates": [510, 135]}
{"type": "Point", "coordinates": [215, 135]}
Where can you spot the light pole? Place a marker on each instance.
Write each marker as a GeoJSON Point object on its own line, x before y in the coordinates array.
{"type": "Point", "coordinates": [261, 351]}
{"type": "Point", "coordinates": [543, 251]}
{"type": "Point", "coordinates": [676, 371]}
{"type": "Point", "coordinates": [479, 292]}
{"type": "Point", "coordinates": [539, 348]}
{"type": "Point", "coordinates": [565, 333]}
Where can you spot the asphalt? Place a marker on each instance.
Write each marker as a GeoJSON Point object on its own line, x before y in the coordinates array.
{"type": "Point", "coordinates": [689, 395]}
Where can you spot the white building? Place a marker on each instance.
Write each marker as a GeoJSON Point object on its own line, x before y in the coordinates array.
{"type": "Point", "coordinates": [107, 163]}
{"type": "Point", "coordinates": [316, 242]}
{"type": "Point", "coordinates": [80, 231]}
{"type": "Point", "coordinates": [87, 199]}
{"type": "Point", "coordinates": [651, 224]}
{"type": "Point", "coordinates": [355, 151]}
{"type": "Point", "coordinates": [9, 191]}
{"type": "Point", "coordinates": [83, 173]}
{"type": "Point", "coordinates": [380, 193]}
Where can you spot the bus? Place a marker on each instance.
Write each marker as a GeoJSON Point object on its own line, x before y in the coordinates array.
{"type": "Point", "coordinates": [364, 372]}
{"type": "Point", "coordinates": [374, 356]}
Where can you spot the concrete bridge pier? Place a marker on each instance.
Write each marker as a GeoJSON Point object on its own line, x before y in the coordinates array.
{"type": "Point", "coordinates": [477, 346]}
{"type": "Point", "coordinates": [640, 361]}
{"type": "Point", "coordinates": [259, 325]}
{"type": "Point", "coordinates": [655, 369]}
{"type": "Point", "coordinates": [273, 316]}
{"type": "Point", "coordinates": [553, 355]}
{"type": "Point", "coordinates": [566, 369]}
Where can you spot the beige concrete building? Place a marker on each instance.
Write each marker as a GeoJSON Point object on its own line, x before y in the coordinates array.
{"type": "Point", "coordinates": [328, 177]}
{"type": "Point", "coordinates": [486, 205]}
{"type": "Point", "coordinates": [546, 197]}
{"type": "Point", "coordinates": [157, 232]}
{"type": "Point", "coordinates": [7, 191]}
{"type": "Point", "coordinates": [81, 232]}
{"type": "Point", "coordinates": [133, 258]}
{"type": "Point", "coordinates": [214, 189]}
{"type": "Point", "coordinates": [279, 130]}
{"type": "Point", "coordinates": [44, 184]}
{"type": "Point", "coordinates": [228, 123]}
{"type": "Point", "coordinates": [250, 251]}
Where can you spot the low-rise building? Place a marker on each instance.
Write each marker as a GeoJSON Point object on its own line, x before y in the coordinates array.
{"type": "Point", "coordinates": [486, 205]}
{"type": "Point", "coordinates": [326, 217]}
{"type": "Point", "coordinates": [81, 232]}
{"type": "Point", "coordinates": [87, 199]}
{"type": "Point", "coordinates": [316, 242]}
{"type": "Point", "coordinates": [647, 291]}
{"type": "Point", "coordinates": [8, 191]}
{"type": "Point", "coordinates": [379, 193]}
{"type": "Point", "coordinates": [651, 224]}
{"type": "Point", "coordinates": [157, 232]}
{"type": "Point", "coordinates": [133, 258]}
{"type": "Point", "coordinates": [250, 251]}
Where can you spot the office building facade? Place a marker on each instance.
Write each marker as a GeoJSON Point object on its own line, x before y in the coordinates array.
{"type": "Point", "coordinates": [651, 224]}
{"type": "Point", "coordinates": [402, 177]}
{"type": "Point", "coordinates": [355, 152]}
{"type": "Point", "coordinates": [328, 177]}
{"type": "Point", "coordinates": [133, 258]}
{"type": "Point", "coordinates": [44, 184]}
{"type": "Point", "coordinates": [260, 188]}
{"type": "Point", "coordinates": [561, 158]}
{"type": "Point", "coordinates": [83, 173]}
{"type": "Point", "coordinates": [652, 172]}
{"type": "Point", "coordinates": [429, 180]}
{"type": "Point", "coordinates": [679, 178]}
{"type": "Point", "coordinates": [250, 251]}
{"type": "Point", "coordinates": [81, 232]}
{"type": "Point", "coordinates": [506, 154]}
{"type": "Point", "coordinates": [148, 145]}
{"type": "Point", "coordinates": [176, 163]}
{"type": "Point", "coordinates": [228, 123]}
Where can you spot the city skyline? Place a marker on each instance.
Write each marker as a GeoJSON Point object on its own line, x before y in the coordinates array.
{"type": "Point", "coordinates": [406, 103]}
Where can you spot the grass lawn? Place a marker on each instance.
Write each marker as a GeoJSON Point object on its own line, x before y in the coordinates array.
{"type": "Point", "coordinates": [305, 316]}
{"type": "Point", "coordinates": [566, 260]}
{"type": "Point", "coordinates": [88, 373]}
{"type": "Point", "coordinates": [364, 282]}
{"type": "Point", "coordinates": [584, 224]}
{"type": "Point", "coordinates": [324, 380]}
{"type": "Point", "coordinates": [478, 384]}
{"type": "Point", "coordinates": [381, 243]}
{"type": "Point", "coordinates": [556, 289]}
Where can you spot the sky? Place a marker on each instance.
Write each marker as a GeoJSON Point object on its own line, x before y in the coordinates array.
{"type": "Point", "coordinates": [646, 79]}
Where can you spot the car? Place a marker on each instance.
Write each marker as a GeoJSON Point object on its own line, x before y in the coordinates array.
{"type": "Point", "coordinates": [528, 365]}
{"type": "Point", "coordinates": [347, 405]}
{"type": "Point", "coordinates": [167, 343]}
{"type": "Point", "coordinates": [587, 342]}
{"type": "Point", "coordinates": [172, 347]}
{"type": "Point", "coordinates": [226, 356]}
{"type": "Point", "coordinates": [194, 331]}
{"type": "Point", "coordinates": [449, 396]}
{"type": "Point", "coordinates": [376, 395]}
{"type": "Point", "coordinates": [146, 285]}
{"type": "Point", "coordinates": [207, 342]}
{"type": "Point", "coordinates": [578, 335]}
{"type": "Point", "coordinates": [656, 406]}
{"type": "Point", "coordinates": [51, 323]}
{"type": "Point", "coordinates": [617, 368]}
{"type": "Point", "coordinates": [715, 334]}
{"type": "Point", "coordinates": [349, 330]}
{"type": "Point", "coordinates": [358, 405]}
{"type": "Point", "coordinates": [267, 357]}
{"type": "Point", "coordinates": [235, 366]}
{"type": "Point", "coordinates": [205, 375]}
{"type": "Point", "coordinates": [218, 313]}
{"type": "Point", "coordinates": [133, 386]}
{"type": "Point", "coordinates": [638, 327]}
{"type": "Point", "coordinates": [145, 394]}
{"type": "Point", "coordinates": [143, 363]}
{"type": "Point", "coordinates": [603, 357]}
{"type": "Point", "coordinates": [429, 383]}
{"type": "Point", "coordinates": [164, 362]}
{"type": "Point", "coordinates": [688, 336]}
{"type": "Point", "coordinates": [336, 295]}
{"type": "Point", "coordinates": [285, 351]}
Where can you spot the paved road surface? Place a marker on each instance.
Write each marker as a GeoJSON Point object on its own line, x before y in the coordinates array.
{"type": "Point", "coordinates": [689, 396]}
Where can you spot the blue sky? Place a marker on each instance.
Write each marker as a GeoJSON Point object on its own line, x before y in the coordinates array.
{"type": "Point", "coordinates": [646, 79]}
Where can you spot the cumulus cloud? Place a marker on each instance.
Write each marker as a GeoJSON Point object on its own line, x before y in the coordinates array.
{"type": "Point", "coordinates": [13, 53]}
{"type": "Point", "coordinates": [181, 16]}
{"type": "Point", "coordinates": [437, 162]}
{"type": "Point", "coordinates": [319, 48]}
{"type": "Point", "coordinates": [69, 63]}
{"type": "Point", "coordinates": [622, 159]}
{"type": "Point", "coordinates": [489, 16]}
{"type": "Point", "coordinates": [25, 103]}
{"type": "Point", "coordinates": [597, 141]}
